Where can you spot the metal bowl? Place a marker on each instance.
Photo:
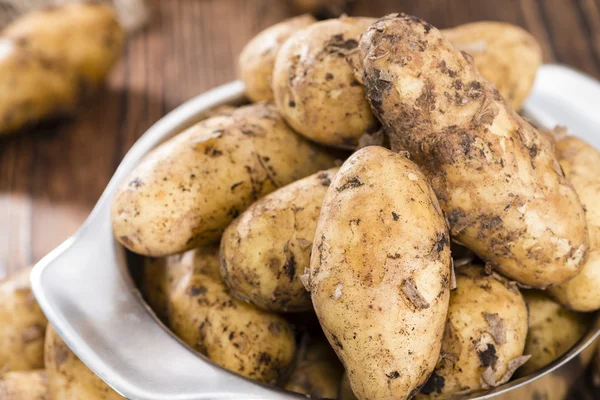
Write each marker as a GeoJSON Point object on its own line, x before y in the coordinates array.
{"type": "Point", "coordinates": [85, 290]}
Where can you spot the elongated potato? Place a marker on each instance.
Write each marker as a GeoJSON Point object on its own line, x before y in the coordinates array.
{"type": "Point", "coordinates": [22, 325]}
{"type": "Point", "coordinates": [506, 55]}
{"type": "Point", "coordinates": [380, 273]}
{"type": "Point", "coordinates": [315, 88]}
{"type": "Point", "coordinates": [500, 185]}
{"type": "Point", "coordinates": [255, 65]}
{"type": "Point", "coordinates": [581, 163]}
{"type": "Point", "coordinates": [68, 377]}
{"type": "Point", "coordinates": [484, 336]}
{"type": "Point", "coordinates": [233, 334]}
{"type": "Point", "coordinates": [186, 191]}
{"type": "Point", "coordinates": [318, 371]}
{"type": "Point", "coordinates": [552, 330]}
{"type": "Point", "coordinates": [161, 275]}
{"type": "Point", "coordinates": [24, 385]}
{"type": "Point", "coordinates": [266, 250]}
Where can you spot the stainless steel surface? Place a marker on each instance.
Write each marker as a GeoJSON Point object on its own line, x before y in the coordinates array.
{"type": "Point", "coordinates": [85, 290]}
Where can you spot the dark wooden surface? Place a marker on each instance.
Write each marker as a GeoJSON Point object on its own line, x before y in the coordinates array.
{"type": "Point", "coordinates": [51, 177]}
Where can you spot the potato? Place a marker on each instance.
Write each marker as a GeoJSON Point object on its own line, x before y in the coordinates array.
{"type": "Point", "coordinates": [68, 377]}
{"type": "Point", "coordinates": [267, 248]}
{"type": "Point", "coordinates": [255, 65]}
{"type": "Point", "coordinates": [24, 385]}
{"type": "Point", "coordinates": [186, 191]}
{"type": "Point", "coordinates": [484, 336]}
{"type": "Point", "coordinates": [233, 334]}
{"type": "Point", "coordinates": [161, 275]}
{"type": "Point", "coordinates": [380, 273]}
{"type": "Point", "coordinates": [315, 88]}
{"type": "Point", "coordinates": [346, 392]}
{"type": "Point", "coordinates": [22, 325]}
{"type": "Point", "coordinates": [318, 371]}
{"type": "Point", "coordinates": [581, 163]}
{"type": "Point", "coordinates": [506, 55]}
{"type": "Point", "coordinates": [553, 330]}
{"type": "Point", "coordinates": [500, 186]}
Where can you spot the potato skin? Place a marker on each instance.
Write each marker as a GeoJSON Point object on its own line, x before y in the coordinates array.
{"type": "Point", "coordinates": [315, 88]}
{"type": "Point", "coordinates": [186, 191]}
{"type": "Point", "coordinates": [267, 248]}
{"type": "Point", "coordinates": [552, 330]}
{"type": "Point", "coordinates": [68, 377]}
{"type": "Point", "coordinates": [581, 163]}
{"type": "Point", "coordinates": [506, 55]}
{"type": "Point", "coordinates": [380, 273]}
{"type": "Point", "coordinates": [471, 343]}
{"type": "Point", "coordinates": [22, 325]}
{"type": "Point", "coordinates": [233, 334]}
{"type": "Point", "coordinates": [256, 61]}
{"type": "Point", "coordinates": [24, 385]}
{"type": "Point", "coordinates": [500, 185]}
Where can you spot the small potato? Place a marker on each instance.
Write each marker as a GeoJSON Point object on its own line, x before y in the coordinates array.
{"type": "Point", "coordinates": [506, 55]}
{"type": "Point", "coordinates": [318, 371]}
{"type": "Point", "coordinates": [233, 334]}
{"type": "Point", "coordinates": [380, 273]}
{"type": "Point", "coordinates": [499, 184]}
{"type": "Point", "coordinates": [552, 330]}
{"type": "Point", "coordinates": [161, 275]}
{"type": "Point", "coordinates": [484, 336]}
{"type": "Point", "coordinates": [186, 191]}
{"type": "Point", "coordinates": [68, 377]}
{"type": "Point", "coordinates": [315, 88]}
{"type": "Point", "coordinates": [581, 163]}
{"type": "Point", "coordinates": [267, 248]}
{"type": "Point", "coordinates": [24, 385]}
{"type": "Point", "coordinates": [255, 65]}
{"type": "Point", "coordinates": [22, 325]}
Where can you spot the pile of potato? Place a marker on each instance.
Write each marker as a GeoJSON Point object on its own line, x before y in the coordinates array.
{"type": "Point", "coordinates": [382, 181]}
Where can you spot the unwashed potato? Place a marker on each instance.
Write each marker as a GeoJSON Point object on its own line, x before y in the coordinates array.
{"type": "Point", "coordinates": [552, 330]}
{"type": "Point", "coordinates": [161, 275]}
{"type": "Point", "coordinates": [51, 58]}
{"type": "Point", "coordinates": [318, 371]}
{"type": "Point", "coordinates": [315, 88]}
{"type": "Point", "coordinates": [233, 334]}
{"type": "Point", "coordinates": [380, 273]}
{"type": "Point", "coordinates": [255, 65]}
{"type": "Point", "coordinates": [187, 190]}
{"type": "Point", "coordinates": [499, 184]}
{"type": "Point", "coordinates": [266, 250]}
{"type": "Point", "coordinates": [581, 163]}
{"type": "Point", "coordinates": [22, 325]}
{"type": "Point", "coordinates": [24, 385]}
{"type": "Point", "coordinates": [484, 336]}
{"type": "Point", "coordinates": [506, 55]}
{"type": "Point", "coordinates": [68, 377]}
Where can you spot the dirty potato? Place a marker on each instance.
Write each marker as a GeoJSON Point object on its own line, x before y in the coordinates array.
{"type": "Point", "coordinates": [553, 330]}
{"type": "Point", "coordinates": [233, 334]}
{"type": "Point", "coordinates": [266, 250]}
{"type": "Point", "coordinates": [161, 275]}
{"type": "Point", "coordinates": [380, 273]}
{"type": "Point", "coordinates": [317, 372]}
{"type": "Point", "coordinates": [24, 385]}
{"type": "Point", "coordinates": [484, 336]}
{"type": "Point", "coordinates": [68, 377]}
{"type": "Point", "coordinates": [315, 88]}
{"type": "Point", "coordinates": [255, 65]}
{"type": "Point", "coordinates": [186, 191]}
{"type": "Point", "coordinates": [506, 55]}
{"type": "Point", "coordinates": [581, 163]}
{"type": "Point", "coordinates": [22, 325]}
{"type": "Point", "coordinates": [501, 187]}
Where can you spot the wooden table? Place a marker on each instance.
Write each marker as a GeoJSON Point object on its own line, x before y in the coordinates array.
{"type": "Point", "coordinates": [51, 178]}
